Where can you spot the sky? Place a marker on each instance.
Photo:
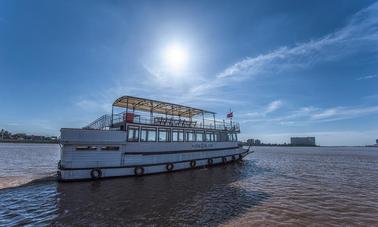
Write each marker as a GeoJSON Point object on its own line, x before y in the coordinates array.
{"type": "Point", "coordinates": [285, 68]}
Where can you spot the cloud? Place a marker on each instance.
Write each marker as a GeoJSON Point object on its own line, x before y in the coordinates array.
{"type": "Point", "coordinates": [367, 77]}
{"type": "Point", "coordinates": [273, 106]}
{"type": "Point", "coordinates": [341, 113]}
{"type": "Point", "coordinates": [309, 115]}
{"type": "Point", "coordinates": [359, 34]}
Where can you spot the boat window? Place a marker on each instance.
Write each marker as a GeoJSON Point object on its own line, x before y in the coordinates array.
{"type": "Point", "coordinates": [86, 148]}
{"type": "Point", "coordinates": [110, 148]}
{"type": "Point", "coordinates": [177, 135]}
{"type": "Point", "coordinates": [174, 136]}
{"type": "Point", "coordinates": [148, 134]}
{"type": "Point", "coordinates": [181, 136]}
{"type": "Point", "coordinates": [209, 136]}
{"type": "Point", "coordinates": [216, 137]}
{"type": "Point", "coordinates": [199, 136]}
{"type": "Point", "coordinates": [163, 135]}
{"type": "Point", "coordinates": [230, 137]}
{"type": "Point", "coordinates": [223, 137]}
{"type": "Point", "coordinates": [132, 134]}
{"type": "Point", "coordinates": [189, 136]}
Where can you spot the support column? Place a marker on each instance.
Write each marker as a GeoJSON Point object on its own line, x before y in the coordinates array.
{"type": "Point", "coordinates": [111, 121]}
{"type": "Point", "coordinates": [215, 127]}
{"type": "Point", "coordinates": [203, 120]}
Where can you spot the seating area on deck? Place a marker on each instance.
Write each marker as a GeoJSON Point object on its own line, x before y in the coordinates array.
{"type": "Point", "coordinates": [174, 122]}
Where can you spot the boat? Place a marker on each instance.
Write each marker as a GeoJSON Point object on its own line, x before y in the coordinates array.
{"type": "Point", "coordinates": [144, 136]}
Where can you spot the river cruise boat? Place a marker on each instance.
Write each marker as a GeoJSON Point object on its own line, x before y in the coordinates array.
{"type": "Point", "coordinates": [143, 136]}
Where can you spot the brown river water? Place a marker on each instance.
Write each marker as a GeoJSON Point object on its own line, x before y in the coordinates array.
{"type": "Point", "coordinates": [322, 186]}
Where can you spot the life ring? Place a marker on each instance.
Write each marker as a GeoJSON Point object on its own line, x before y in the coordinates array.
{"type": "Point", "coordinates": [169, 166]}
{"type": "Point", "coordinates": [139, 171]}
{"type": "Point", "coordinates": [233, 158]}
{"type": "Point", "coordinates": [224, 160]}
{"type": "Point", "coordinates": [96, 173]}
{"type": "Point", "coordinates": [209, 161]}
{"type": "Point", "coordinates": [193, 163]}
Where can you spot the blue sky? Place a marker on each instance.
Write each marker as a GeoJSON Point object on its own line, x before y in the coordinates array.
{"type": "Point", "coordinates": [286, 68]}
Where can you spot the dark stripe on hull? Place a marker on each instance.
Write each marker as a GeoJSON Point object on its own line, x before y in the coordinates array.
{"type": "Point", "coordinates": [179, 151]}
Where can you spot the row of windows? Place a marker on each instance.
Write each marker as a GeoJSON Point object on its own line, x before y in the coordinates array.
{"type": "Point", "coordinates": [135, 134]}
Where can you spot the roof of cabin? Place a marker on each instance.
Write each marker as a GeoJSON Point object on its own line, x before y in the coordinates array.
{"type": "Point", "coordinates": [155, 106]}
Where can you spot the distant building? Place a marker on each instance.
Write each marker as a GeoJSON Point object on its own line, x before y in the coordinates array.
{"type": "Point", "coordinates": [304, 141]}
{"type": "Point", "coordinates": [376, 141]}
{"type": "Point", "coordinates": [257, 142]}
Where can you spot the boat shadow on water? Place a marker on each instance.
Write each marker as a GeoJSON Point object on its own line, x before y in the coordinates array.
{"type": "Point", "coordinates": [194, 197]}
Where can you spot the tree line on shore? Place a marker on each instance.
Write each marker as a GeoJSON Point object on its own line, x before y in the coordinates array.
{"type": "Point", "coordinates": [6, 136]}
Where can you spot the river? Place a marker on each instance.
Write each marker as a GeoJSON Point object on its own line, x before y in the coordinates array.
{"type": "Point", "coordinates": [274, 186]}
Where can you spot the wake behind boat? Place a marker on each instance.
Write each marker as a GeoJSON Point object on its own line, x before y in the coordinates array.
{"type": "Point", "coordinates": [144, 136]}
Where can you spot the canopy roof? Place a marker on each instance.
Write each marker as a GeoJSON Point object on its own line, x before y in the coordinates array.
{"type": "Point", "coordinates": [157, 106]}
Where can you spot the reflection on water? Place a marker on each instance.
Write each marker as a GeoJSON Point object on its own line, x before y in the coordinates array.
{"type": "Point", "coordinates": [189, 197]}
{"type": "Point", "coordinates": [198, 197]}
{"type": "Point", "coordinates": [289, 186]}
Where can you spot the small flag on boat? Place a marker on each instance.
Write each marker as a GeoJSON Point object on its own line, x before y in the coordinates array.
{"type": "Point", "coordinates": [230, 114]}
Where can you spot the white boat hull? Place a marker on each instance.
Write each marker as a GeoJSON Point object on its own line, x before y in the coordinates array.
{"type": "Point", "coordinates": [152, 165]}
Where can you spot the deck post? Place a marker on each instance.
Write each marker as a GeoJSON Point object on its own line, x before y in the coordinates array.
{"type": "Point", "coordinates": [151, 113]}
{"type": "Point", "coordinates": [111, 121]}
{"type": "Point", "coordinates": [125, 116]}
{"type": "Point", "coordinates": [203, 120]}
{"type": "Point", "coordinates": [215, 127]}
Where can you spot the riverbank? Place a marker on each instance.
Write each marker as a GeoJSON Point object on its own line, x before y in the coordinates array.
{"type": "Point", "coordinates": [30, 141]}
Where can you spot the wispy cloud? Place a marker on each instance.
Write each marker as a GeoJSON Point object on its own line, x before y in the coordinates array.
{"type": "Point", "coordinates": [367, 77]}
{"type": "Point", "coordinates": [308, 115]}
{"type": "Point", "coordinates": [273, 106]}
{"type": "Point", "coordinates": [342, 113]}
{"type": "Point", "coordinates": [359, 34]}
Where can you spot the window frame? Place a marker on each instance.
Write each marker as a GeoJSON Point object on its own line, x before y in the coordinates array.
{"type": "Point", "coordinates": [177, 137]}
{"type": "Point", "coordinates": [137, 130]}
{"type": "Point", "coordinates": [197, 133]}
{"type": "Point", "coordinates": [167, 137]}
{"type": "Point", "coordinates": [147, 130]}
{"type": "Point", "coordinates": [187, 132]}
{"type": "Point", "coordinates": [211, 136]}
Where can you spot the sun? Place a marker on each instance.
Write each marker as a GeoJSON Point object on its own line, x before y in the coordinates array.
{"type": "Point", "coordinates": [176, 57]}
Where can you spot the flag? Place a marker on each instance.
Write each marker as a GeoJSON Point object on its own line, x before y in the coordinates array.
{"type": "Point", "coordinates": [230, 114]}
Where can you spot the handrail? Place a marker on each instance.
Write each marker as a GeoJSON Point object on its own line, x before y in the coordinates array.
{"type": "Point", "coordinates": [170, 121]}
{"type": "Point", "coordinates": [101, 123]}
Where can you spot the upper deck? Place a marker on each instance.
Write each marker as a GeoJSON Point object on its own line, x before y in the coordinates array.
{"type": "Point", "coordinates": [129, 109]}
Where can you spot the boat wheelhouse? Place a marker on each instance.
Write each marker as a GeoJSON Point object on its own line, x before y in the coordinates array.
{"type": "Point", "coordinates": [143, 136]}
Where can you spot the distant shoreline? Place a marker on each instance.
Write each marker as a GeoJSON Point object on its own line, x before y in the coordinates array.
{"type": "Point", "coordinates": [29, 141]}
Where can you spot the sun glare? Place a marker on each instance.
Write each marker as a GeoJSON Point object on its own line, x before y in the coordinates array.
{"type": "Point", "coordinates": [176, 57]}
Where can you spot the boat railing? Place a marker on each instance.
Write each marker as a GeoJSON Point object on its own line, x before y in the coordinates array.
{"type": "Point", "coordinates": [101, 123]}
{"type": "Point", "coordinates": [176, 122]}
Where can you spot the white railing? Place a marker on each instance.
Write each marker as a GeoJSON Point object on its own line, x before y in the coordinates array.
{"type": "Point", "coordinates": [177, 122]}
